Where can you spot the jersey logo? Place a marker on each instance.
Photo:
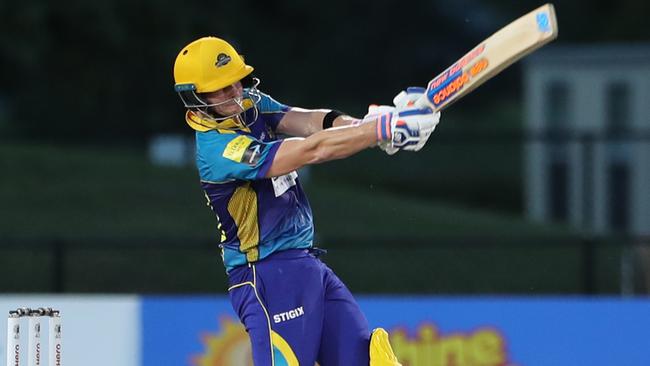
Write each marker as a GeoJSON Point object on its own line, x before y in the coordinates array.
{"type": "Point", "coordinates": [282, 183]}
{"type": "Point", "coordinates": [243, 149]}
{"type": "Point", "coordinates": [236, 148]}
{"type": "Point", "coordinates": [252, 154]}
{"type": "Point", "coordinates": [288, 315]}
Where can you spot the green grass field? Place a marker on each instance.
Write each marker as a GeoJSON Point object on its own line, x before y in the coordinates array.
{"type": "Point", "coordinates": [74, 193]}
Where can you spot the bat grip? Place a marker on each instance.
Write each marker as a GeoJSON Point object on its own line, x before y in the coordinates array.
{"type": "Point", "coordinates": [423, 102]}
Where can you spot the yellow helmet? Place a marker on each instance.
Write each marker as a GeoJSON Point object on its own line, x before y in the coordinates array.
{"type": "Point", "coordinates": [209, 64]}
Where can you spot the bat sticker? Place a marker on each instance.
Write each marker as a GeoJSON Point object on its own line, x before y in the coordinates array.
{"type": "Point", "coordinates": [456, 82]}
{"type": "Point", "coordinates": [543, 23]}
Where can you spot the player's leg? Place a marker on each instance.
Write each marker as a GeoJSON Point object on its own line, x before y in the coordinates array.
{"type": "Point", "coordinates": [345, 339]}
{"type": "Point", "coordinates": [244, 299]}
{"type": "Point", "coordinates": [280, 304]}
{"type": "Point", "coordinates": [292, 289]}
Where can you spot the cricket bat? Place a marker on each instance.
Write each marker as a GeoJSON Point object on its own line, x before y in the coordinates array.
{"type": "Point", "coordinates": [490, 57]}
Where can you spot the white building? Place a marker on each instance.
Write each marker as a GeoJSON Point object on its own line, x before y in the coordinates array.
{"type": "Point", "coordinates": [588, 115]}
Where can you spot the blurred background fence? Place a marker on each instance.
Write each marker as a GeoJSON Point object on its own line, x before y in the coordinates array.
{"type": "Point", "coordinates": [523, 266]}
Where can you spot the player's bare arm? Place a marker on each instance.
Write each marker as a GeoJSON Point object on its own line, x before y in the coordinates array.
{"type": "Point", "coordinates": [302, 122]}
{"type": "Point", "coordinates": [407, 129]}
{"type": "Point", "coordinates": [324, 145]}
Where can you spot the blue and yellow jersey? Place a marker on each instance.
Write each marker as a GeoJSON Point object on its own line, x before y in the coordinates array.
{"type": "Point", "coordinates": [256, 216]}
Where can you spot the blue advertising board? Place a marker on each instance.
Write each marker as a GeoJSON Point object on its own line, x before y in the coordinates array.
{"type": "Point", "coordinates": [431, 331]}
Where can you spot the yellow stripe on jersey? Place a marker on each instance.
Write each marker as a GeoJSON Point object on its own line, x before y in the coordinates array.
{"type": "Point", "coordinates": [243, 209]}
{"type": "Point", "coordinates": [222, 232]}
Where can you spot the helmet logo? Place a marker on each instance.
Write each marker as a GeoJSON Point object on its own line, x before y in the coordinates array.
{"type": "Point", "coordinates": [222, 60]}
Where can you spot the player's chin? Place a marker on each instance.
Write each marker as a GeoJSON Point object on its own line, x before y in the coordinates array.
{"type": "Point", "coordinates": [228, 111]}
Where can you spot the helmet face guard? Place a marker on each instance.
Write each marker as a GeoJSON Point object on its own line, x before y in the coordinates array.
{"type": "Point", "coordinates": [249, 99]}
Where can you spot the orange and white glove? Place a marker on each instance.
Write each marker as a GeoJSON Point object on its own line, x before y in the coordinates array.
{"type": "Point", "coordinates": [405, 126]}
{"type": "Point", "coordinates": [378, 110]}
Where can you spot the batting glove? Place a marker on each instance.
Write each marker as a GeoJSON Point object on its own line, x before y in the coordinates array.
{"type": "Point", "coordinates": [375, 111]}
{"type": "Point", "coordinates": [406, 98]}
{"type": "Point", "coordinates": [412, 125]}
{"type": "Point", "coordinates": [407, 129]}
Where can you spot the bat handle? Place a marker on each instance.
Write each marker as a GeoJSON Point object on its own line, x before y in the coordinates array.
{"type": "Point", "coordinates": [423, 102]}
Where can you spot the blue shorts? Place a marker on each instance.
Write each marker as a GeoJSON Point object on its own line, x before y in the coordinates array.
{"type": "Point", "coordinates": [298, 312]}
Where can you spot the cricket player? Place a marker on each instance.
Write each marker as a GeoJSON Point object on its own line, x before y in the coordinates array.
{"type": "Point", "coordinates": [295, 309]}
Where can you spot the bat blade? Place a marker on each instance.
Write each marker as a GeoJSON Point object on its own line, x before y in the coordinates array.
{"type": "Point", "coordinates": [490, 57]}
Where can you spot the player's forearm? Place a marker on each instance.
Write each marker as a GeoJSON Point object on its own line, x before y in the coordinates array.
{"type": "Point", "coordinates": [344, 120]}
{"type": "Point", "coordinates": [325, 145]}
{"type": "Point", "coordinates": [340, 142]}
{"type": "Point", "coordinates": [301, 122]}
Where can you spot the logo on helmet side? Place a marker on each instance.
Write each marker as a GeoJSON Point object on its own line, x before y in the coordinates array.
{"type": "Point", "coordinates": [222, 60]}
